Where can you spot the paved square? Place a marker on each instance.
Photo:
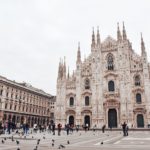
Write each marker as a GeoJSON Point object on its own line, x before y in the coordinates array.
{"type": "Point", "coordinates": [137, 140]}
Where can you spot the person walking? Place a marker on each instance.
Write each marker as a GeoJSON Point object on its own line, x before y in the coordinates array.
{"type": "Point", "coordinates": [103, 128]}
{"type": "Point", "coordinates": [59, 129]}
{"type": "Point", "coordinates": [53, 128]}
{"type": "Point", "coordinates": [9, 127]}
{"type": "Point", "coordinates": [124, 128]}
{"type": "Point", "coordinates": [67, 129]}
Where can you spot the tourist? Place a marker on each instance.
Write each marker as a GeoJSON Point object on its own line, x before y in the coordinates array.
{"type": "Point", "coordinates": [53, 128]}
{"type": "Point", "coordinates": [103, 128]}
{"type": "Point", "coordinates": [94, 128]}
{"type": "Point", "coordinates": [124, 128]}
{"type": "Point", "coordinates": [59, 128]}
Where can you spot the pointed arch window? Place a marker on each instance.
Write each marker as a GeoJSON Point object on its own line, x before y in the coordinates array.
{"type": "Point", "coordinates": [137, 80]}
{"type": "Point", "coordinates": [87, 84]}
{"type": "Point", "coordinates": [71, 101]}
{"type": "Point", "coordinates": [138, 98]}
{"type": "Point", "coordinates": [111, 86]}
{"type": "Point", "coordinates": [110, 62]}
{"type": "Point", "coordinates": [87, 101]}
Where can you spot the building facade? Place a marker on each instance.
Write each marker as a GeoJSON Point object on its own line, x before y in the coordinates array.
{"type": "Point", "coordinates": [22, 103]}
{"type": "Point", "coordinates": [111, 85]}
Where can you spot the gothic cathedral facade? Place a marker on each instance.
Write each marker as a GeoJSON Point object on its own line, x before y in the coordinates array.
{"type": "Point", "coordinates": [111, 85]}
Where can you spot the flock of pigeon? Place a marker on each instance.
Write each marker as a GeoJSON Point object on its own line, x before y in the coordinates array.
{"type": "Point", "coordinates": [61, 146]}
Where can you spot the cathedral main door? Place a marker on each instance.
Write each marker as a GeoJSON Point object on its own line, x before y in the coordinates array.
{"type": "Point", "coordinates": [87, 120]}
{"type": "Point", "coordinates": [140, 121]}
{"type": "Point", "coordinates": [112, 118]}
{"type": "Point", "coordinates": [71, 120]}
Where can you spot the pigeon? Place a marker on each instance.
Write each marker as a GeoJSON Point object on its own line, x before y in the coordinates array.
{"type": "Point", "coordinates": [5, 139]}
{"type": "Point", "coordinates": [52, 144]}
{"type": "Point", "coordinates": [68, 142]}
{"type": "Point", "coordinates": [102, 143]}
{"type": "Point", "coordinates": [53, 140]}
{"type": "Point", "coordinates": [43, 137]}
{"type": "Point", "coordinates": [35, 148]}
{"type": "Point", "coordinates": [3, 142]}
{"type": "Point", "coordinates": [38, 141]}
{"type": "Point", "coordinates": [18, 148]}
{"type": "Point", "coordinates": [17, 142]}
{"type": "Point", "coordinates": [61, 146]}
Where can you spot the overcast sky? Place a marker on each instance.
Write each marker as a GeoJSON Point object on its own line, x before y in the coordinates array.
{"type": "Point", "coordinates": [34, 34]}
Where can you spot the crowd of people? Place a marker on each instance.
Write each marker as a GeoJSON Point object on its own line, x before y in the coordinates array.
{"type": "Point", "coordinates": [9, 127]}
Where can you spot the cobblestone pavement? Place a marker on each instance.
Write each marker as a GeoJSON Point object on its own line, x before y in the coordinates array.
{"type": "Point", "coordinates": [114, 140]}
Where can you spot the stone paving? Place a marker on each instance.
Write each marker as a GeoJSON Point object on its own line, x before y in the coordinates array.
{"type": "Point", "coordinates": [114, 140]}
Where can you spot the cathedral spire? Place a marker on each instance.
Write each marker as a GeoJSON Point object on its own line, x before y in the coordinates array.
{"type": "Point", "coordinates": [64, 67]}
{"type": "Point", "coordinates": [60, 69]}
{"type": "Point", "coordinates": [142, 45]}
{"type": "Point", "coordinates": [79, 54]}
{"type": "Point", "coordinates": [119, 37]}
{"type": "Point", "coordinates": [68, 73]}
{"type": "Point", "coordinates": [93, 39]}
{"type": "Point", "coordinates": [124, 33]}
{"type": "Point", "coordinates": [98, 37]}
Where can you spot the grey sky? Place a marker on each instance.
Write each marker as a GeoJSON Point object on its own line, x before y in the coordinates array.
{"type": "Point", "coordinates": [34, 34]}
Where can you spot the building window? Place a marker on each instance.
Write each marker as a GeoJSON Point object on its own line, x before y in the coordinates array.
{"type": "Point", "coordinates": [71, 103]}
{"type": "Point", "coordinates": [15, 107]}
{"type": "Point", "coordinates": [10, 106]}
{"type": "Point", "coordinates": [110, 62]}
{"type": "Point", "coordinates": [138, 98]}
{"type": "Point", "coordinates": [137, 80]}
{"type": "Point", "coordinates": [111, 86]}
{"type": "Point", "coordinates": [23, 108]}
{"type": "Point", "coordinates": [87, 84]}
{"type": "Point", "coordinates": [5, 106]}
{"type": "Point", "coordinates": [1, 92]}
{"type": "Point", "coordinates": [7, 94]}
{"type": "Point", "coordinates": [87, 101]}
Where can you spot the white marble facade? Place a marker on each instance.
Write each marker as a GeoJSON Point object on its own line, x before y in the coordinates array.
{"type": "Point", "coordinates": [110, 86]}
